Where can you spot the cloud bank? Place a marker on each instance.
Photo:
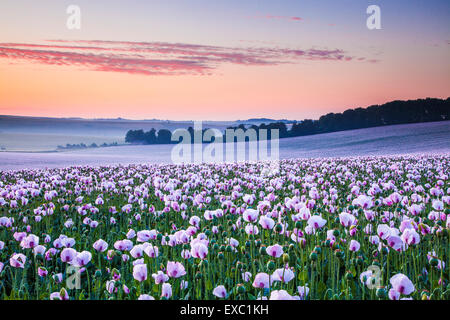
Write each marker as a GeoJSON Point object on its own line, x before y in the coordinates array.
{"type": "Point", "coordinates": [161, 58]}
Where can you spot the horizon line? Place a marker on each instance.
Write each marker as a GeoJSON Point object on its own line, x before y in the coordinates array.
{"type": "Point", "coordinates": [203, 120]}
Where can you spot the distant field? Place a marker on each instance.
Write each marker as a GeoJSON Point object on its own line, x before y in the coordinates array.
{"type": "Point", "coordinates": [45, 134]}
{"type": "Point", "coordinates": [36, 142]}
{"type": "Point", "coordinates": [432, 137]}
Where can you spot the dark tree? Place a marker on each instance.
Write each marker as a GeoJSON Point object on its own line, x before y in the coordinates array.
{"type": "Point", "coordinates": [164, 136]}
{"type": "Point", "coordinates": [395, 112]}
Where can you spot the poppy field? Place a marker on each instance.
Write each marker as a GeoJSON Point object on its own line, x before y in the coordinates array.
{"type": "Point", "coordinates": [362, 228]}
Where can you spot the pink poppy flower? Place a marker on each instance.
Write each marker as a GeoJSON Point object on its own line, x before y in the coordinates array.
{"type": "Point", "coordinates": [160, 277]}
{"type": "Point", "coordinates": [151, 251]}
{"type": "Point", "coordinates": [402, 284]}
{"type": "Point", "coordinates": [145, 297]}
{"type": "Point", "coordinates": [266, 222]}
{"type": "Point", "coordinates": [100, 245]}
{"type": "Point", "coordinates": [220, 291]}
{"type": "Point", "coordinates": [42, 272]}
{"type": "Point", "coordinates": [316, 222]}
{"type": "Point", "coordinates": [275, 251]}
{"type": "Point", "coordinates": [250, 215]}
{"type": "Point", "coordinates": [82, 259]}
{"type": "Point", "coordinates": [175, 269]}
{"type": "Point", "coordinates": [261, 280]}
{"type": "Point", "coordinates": [283, 274]}
{"type": "Point", "coordinates": [18, 260]}
{"type": "Point", "coordinates": [61, 295]}
{"type": "Point", "coordinates": [281, 295]}
{"type": "Point", "coordinates": [199, 250]}
{"type": "Point", "coordinates": [68, 254]}
{"type": "Point", "coordinates": [166, 290]}
{"type": "Point", "coordinates": [354, 246]}
{"type": "Point", "coordinates": [140, 272]}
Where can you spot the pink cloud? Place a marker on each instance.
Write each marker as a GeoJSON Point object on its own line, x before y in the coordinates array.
{"type": "Point", "coordinates": [159, 58]}
{"type": "Point", "coordinates": [284, 17]}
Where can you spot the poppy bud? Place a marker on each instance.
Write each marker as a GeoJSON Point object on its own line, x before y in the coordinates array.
{"type": "Point", "coordinates": [262, 250]}
{"type": "Point", "coordinates": [339, 253]}
{"type": "Point", "coordinates": [313, 256]}
{"type": "Point", "coordinates": [240, 288]}
{"type": "Point", "coordinates": [381, 293]}
{"type": "Point", "coordinates": [278, 228]}
{"type": "Point", "coordinates": [270, 265]}
{"type": "Point", "coordinates": [285, 258]}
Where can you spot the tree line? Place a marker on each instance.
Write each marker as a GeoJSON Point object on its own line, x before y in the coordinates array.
{"type": "Point", "coordinates": [391, 113]}
{"type": "Point", "coordinates": [69, 146]}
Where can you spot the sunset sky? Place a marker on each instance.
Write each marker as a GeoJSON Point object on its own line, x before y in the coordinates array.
{"type": "Point", "coordinates": [219, 60]}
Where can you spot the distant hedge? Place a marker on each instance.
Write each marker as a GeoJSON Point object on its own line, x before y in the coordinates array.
{"type": "Point", "coordinates": [395, 112]}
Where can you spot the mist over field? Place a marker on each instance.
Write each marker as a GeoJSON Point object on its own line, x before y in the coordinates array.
{"type": "Point", "coordinates": [45, 134]}
{"type": "Point", "coordinates": [433, 137]}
